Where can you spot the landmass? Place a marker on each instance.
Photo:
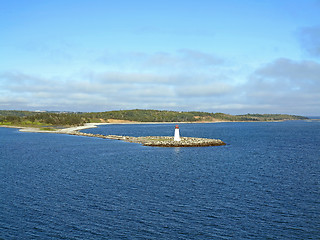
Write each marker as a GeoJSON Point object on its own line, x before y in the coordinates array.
{"type": "Point", "coordinates": [55, 120]}
{"type": "Point", "coordinates": [71, 123]}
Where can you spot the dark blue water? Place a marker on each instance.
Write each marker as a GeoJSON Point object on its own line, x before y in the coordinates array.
{"type": "Point", "coordinates": [265, 184]}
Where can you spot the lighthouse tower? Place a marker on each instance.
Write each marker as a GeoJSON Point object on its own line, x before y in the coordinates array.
{"type": "Point", "coordinates": [176, 134]}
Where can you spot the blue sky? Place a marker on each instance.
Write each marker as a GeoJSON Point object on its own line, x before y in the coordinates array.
{"type": "Point", "coordinates": [226, 56]}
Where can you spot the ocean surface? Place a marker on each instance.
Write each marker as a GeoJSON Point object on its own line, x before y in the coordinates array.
{"type": "Point", "coordinates": [264, 184]}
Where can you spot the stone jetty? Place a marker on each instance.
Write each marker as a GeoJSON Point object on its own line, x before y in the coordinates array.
{"type": "Point", "coordinates": [152, 141]}
{"type": "Point", "coordinates": [158, 141]}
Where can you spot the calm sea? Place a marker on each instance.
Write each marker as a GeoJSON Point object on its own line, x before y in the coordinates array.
{"type": "Point", "coordinates": [265, 184]}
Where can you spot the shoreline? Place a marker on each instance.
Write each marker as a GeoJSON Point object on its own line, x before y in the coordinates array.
{"type": "Point", "coordinates": [89, 125]}
{"type": "Point", "coordinates": [151, 141]}
{"type": "Point", "coordinates": [63, 130]}
{"type": "Point", "coordinates": [73, 129]}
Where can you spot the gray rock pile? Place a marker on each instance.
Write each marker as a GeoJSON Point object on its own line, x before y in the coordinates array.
{"type": "Point", "coordinates": [158, 141]}
{"type": "Point", "coordinates": [185, 142]}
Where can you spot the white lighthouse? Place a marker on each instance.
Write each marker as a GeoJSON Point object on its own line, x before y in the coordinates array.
{"type": "Point", "coordinates": [176, 134]}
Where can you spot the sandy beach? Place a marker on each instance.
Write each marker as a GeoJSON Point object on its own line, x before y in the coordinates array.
{"type": "Point", "coordinates": [89, 125]}
{"type": "Point", "coordinates": [63, 130]}
{"type": "Point", "coordinates": [93, 125]}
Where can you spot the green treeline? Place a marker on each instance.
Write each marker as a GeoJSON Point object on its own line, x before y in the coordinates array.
{"type": "Point", "coordinates": [42, 119]}
{"type": "Point", "coordinates": [143, 115]}
{"type": "Point", "coordinates": [27, 118]}
{"type": "Point", "coordinates": [173, 116]}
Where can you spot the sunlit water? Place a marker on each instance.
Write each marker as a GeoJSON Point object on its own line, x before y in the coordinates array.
{"type": "Point", "coordinates": [265, 184]}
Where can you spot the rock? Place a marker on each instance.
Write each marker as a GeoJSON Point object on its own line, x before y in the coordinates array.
{"type": "Point", "coordinates": [158, 141]}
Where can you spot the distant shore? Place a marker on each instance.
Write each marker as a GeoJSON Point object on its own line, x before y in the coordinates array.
{"type": "Point", "coordinates": [73, 129]}
{"type": "Point", "coordinates": [92, 125]}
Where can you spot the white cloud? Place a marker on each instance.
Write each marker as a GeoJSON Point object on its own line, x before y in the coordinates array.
{"type": "Point", "coordinates": [286, 86]}
{"type": "Point", "coordinates": [285, 75]}
{"type": "Point", "coordinates": [97, 92]}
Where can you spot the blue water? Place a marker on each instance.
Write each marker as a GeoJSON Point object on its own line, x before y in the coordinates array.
{"type": "Point", "coordinates": [265, 184]}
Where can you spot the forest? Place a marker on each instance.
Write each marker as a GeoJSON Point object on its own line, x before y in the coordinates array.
{"type": "Point", "coordinates": [30, 118]}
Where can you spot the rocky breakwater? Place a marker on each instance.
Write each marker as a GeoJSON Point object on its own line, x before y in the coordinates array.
{"type": "Point", "coordinates": [185, 142]}
{"type": "Point", "coordinates": [158, 141]}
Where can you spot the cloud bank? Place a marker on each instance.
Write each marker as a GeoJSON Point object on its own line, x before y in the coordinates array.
{"type": "Point", "coordinates": [184, 80]}
{"type": "Point", "coordinates": [286, 85]}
